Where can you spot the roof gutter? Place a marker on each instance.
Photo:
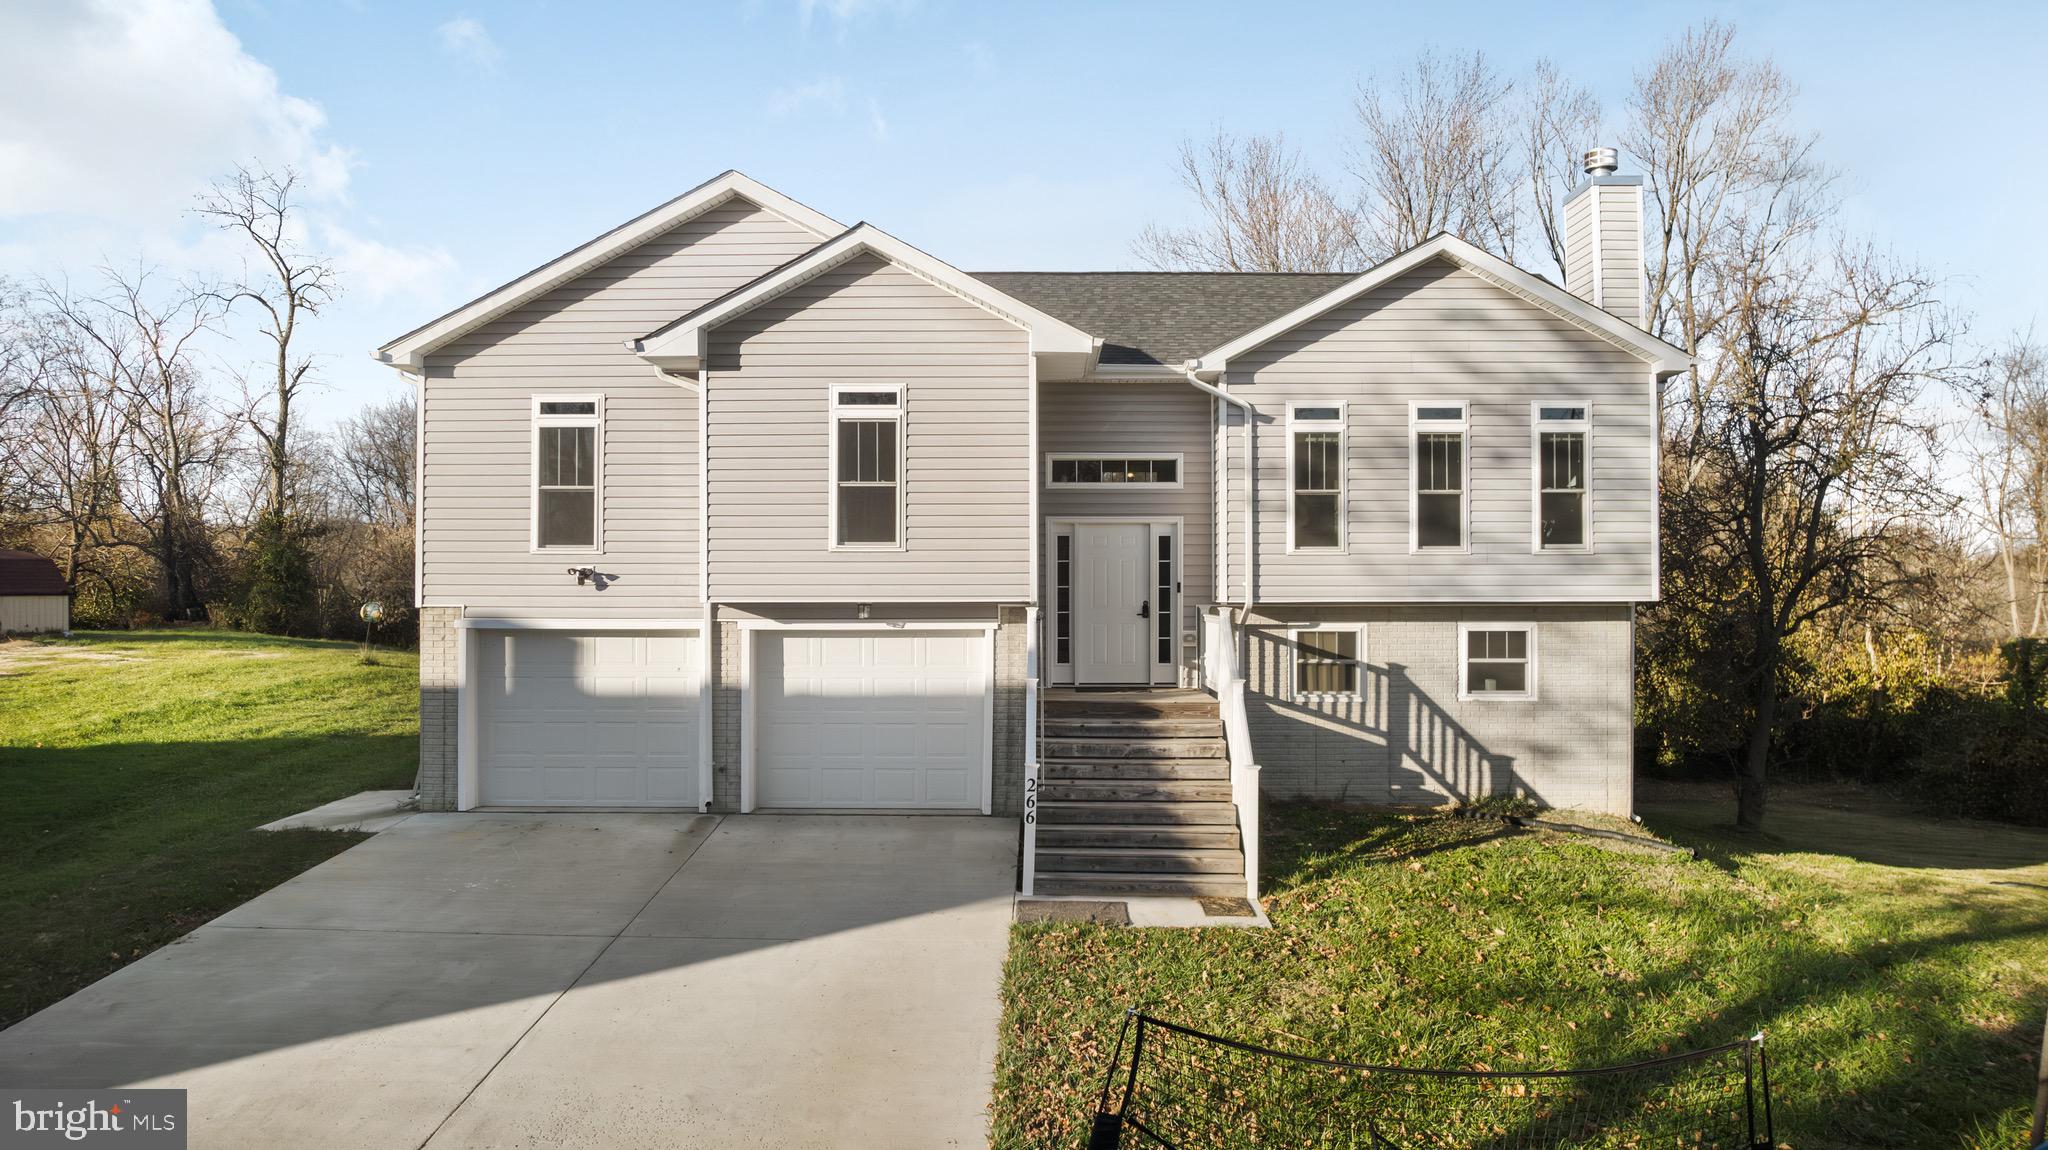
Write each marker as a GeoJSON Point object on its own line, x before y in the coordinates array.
{"type": "Point", "coordinates": [1250, 473]}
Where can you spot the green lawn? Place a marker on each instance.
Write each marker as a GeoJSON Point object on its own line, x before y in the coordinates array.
{"type": "Point", "coordinates": [133, 765]}
{"type": "Point", "coordinates": [1899, 966]}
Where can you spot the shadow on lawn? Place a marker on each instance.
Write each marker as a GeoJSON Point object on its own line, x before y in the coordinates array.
{"type": "Point", "coordinates": [1868, 1044]}
{"type": "Point", "coordinates": [157, 636]}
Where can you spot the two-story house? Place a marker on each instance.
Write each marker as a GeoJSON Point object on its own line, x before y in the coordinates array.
{"type": "Point", "coordinates": [737, 508]}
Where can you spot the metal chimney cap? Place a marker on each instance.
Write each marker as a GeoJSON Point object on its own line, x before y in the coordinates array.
{"type": "Point", "coordinates": [1602, 161]}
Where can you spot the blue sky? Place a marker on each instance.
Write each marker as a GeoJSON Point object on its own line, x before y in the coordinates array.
{"type": "Point", "coordinates": [450, 147]}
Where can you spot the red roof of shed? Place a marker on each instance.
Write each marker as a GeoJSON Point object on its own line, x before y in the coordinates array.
{"type": "Point", "coordinates": [27, 573]}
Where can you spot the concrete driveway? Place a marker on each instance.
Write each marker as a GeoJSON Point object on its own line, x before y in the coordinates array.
{"type": "Point", "coordinates": [614, 980]}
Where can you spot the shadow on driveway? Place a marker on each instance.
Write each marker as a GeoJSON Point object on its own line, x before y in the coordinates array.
{"type": "Point", "coordinates": [576, 979]}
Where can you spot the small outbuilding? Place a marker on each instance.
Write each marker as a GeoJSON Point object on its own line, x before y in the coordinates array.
{"type": "Point", "coordinates": [33, 597]}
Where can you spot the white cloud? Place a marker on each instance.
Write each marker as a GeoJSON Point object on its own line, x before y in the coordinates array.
{"type": "Point", "coordinates": [125, 110]}
{"type": "Point", "coordinates": [846, 12]}
{"type": "Point", "coordinates": [466, 39]}
{"type": "Point", "coordinates": [826, 94]}
{"type": "Point", "coordinates": [379, 272]}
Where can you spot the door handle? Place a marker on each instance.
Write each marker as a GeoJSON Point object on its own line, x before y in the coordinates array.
{"type": "Point", "coordinates": [1145, 609]}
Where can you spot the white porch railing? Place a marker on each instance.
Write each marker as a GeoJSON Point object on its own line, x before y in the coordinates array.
{"type": "Point", "coordinates": [1032, 725]}
{"type": "Point", "coordinates": [1224, 674]}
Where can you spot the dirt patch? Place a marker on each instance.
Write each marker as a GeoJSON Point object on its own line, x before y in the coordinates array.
{"type": "Point", "coordinates": [26, 654]}
{"type": "Point", "coordinates": [1227, 907]}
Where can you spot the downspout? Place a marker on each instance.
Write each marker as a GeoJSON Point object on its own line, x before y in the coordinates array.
{"type": "Point", "coordinates": [1251, 415]}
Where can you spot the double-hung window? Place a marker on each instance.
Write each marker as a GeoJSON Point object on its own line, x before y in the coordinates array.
{"type": "Point", "coordinates": [1438, 508]}
{"type": "Point", "coordinates": [1327, 660]}
{"type": "Point", "coordinates": [1315, 466]}
{"type": "Point", "coordinates": [1496, 661]}
{"type": "Point", "coordinates": [1560, 439]}
{"type": "Point", "coordinates": [568, 445]}
{"type": "Point", "coordinates": [867, 466]}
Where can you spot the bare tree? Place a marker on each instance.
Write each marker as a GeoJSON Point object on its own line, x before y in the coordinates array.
{"type": "Point", "coordinates": [2009, 461]}
{"type": "Point", "coordinates": [67, 441]}
{"type": "Point", "coordinates": [1560, 123]}
{"type": "Point", "coordinates": [1263, 210]}
{"type": "Point", "coordinates": [1728, 181]}
{"type": "Point", "coordinates": [1437, 153]}
{"type": "Point", "coordinates": [374, 464]}
{"type": "Point", "coordinates": [291, 286]}
{"type": "Point", "coordinates": [177, 445]}
{"type": "Point", "coordinates": [1817, 461]}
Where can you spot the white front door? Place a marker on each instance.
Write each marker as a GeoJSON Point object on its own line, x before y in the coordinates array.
{"type": "Point", "coordinates": [1115, 613]}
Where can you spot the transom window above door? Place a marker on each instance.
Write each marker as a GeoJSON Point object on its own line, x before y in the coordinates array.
{"type": "Point", "coordinates": [1107, 470]}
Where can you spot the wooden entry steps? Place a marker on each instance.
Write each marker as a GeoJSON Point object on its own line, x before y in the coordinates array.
{"type": "Point", "coordinates": [1134, 796]}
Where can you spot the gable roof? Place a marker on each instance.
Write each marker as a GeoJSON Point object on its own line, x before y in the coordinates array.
{"type": "Point", "coordinates": [412, 348]}
{"type": "Point", "coordinates": [27, 573]}
{"type": "Point", "coordinates": [680, 345]}
{"type": "Point", "coordinates": [1164, 318]}
{"type": "Point", "coordinates": [1667, 359]}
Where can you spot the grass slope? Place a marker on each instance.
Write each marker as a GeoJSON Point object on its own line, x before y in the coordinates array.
{"type": "Point", "coordinates": [1898, 966]}
{"type": "Point", "coordinates": [132, 767]}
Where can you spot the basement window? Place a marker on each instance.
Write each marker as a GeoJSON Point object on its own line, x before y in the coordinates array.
{"type": "Point", "coordinates": [1496, 661]}
{"type": "Point", "coordinates": [1327, 661]}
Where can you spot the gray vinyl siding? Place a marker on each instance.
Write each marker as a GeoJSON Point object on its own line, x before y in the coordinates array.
{"type": "Point", "coordinates": [966, 379]}
{"type": "Point", "coordinates": [1163, 418]}
{"type": "Point", "coordinates": [1621, 251]}
{"type": "Point", "coordinates": [1578, 246]}
{"type": "Point", "coordinates": [476, 498]}
{"type": "Point", "coordinates": [1442, 333]}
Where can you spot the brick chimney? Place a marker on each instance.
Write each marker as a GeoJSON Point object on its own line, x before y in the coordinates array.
{"type": "Point", "coordinates": [1603, 238]}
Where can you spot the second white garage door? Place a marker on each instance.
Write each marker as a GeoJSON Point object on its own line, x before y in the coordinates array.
{"type": "Point", "coordinates": [871, 720]}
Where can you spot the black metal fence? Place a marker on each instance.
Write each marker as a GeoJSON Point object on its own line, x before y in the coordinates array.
{"type": "Point", "coordinates": [1175, 1087]}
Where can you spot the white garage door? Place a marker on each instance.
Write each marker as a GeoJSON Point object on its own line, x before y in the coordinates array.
{"type": "Point", "coordinates": [871, 720]}
{"type": "Point", "coordinates": [587, 720]}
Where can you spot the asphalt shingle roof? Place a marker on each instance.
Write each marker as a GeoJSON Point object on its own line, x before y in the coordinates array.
{"type": "Point", "coordinates": [26, 573]}
{"type": "Point", "coordinates": [1164, 317]}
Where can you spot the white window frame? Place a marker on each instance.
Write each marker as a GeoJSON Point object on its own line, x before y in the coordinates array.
{"type": "Point", "coordinates": [834, 412]}
{"type": "Point", "coordinates": [1537, 426]}
{"type": "Point", "coordinates": [1465, 691]}
{"type": "Point", "coordinates": [1180, 470]}
{"type": "Point", "coordinates": [593, 420]}
{"type": "Point", "coordinates": [1294, 635]}
{"type": "Point", "coordinates": [1340, 425]}
{"type": "Point", "coordinates": [1416, 428]}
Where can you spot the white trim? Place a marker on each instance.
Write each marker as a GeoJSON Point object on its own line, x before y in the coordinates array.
{"type": "Point", "coordinates": [1583, 426]}
{"type": "Point", "coordinates": [419, 487]}
{"type": "Point", "coordinates": [706, 673]}
{"type": "Point", "coordinates": [1294, 661]}
{"type": "Point", "coordinates": [1416, 428]}
{"type": "Point", "coordinates": [468, 788]}
{"type": "Point", "coordinates": [1598, 296]}
{"type": "Point", "coordinates": [704, 493]}
{"type": "Point", "coordinates": [682, 343]}
{"type": "Point", "coordinates": [1662, 356]}
{"type": "Point", "coordinates": [608, 623]}
{"type": "Point", "coordinates": [1219, 445]}
{"type": "Point", "coordinates": [1340, 425]}
{"type": "Point", "coordinates": [1180, 464]}
{"type": "Point", "coordinates": [594, 421]}
{"type": "Point", "coordinates": [877, 413]}
{"type": "Point", "coordinates": [1031, 489]}
{"type": "Point", "coordinates": [411, 349]}
{"type": "Point", "coordinates": [1656, 484]}
{"type": "Point", "coordinates": [752, 629]}
{"type": "Point", "coordinates": [1466, 694]}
